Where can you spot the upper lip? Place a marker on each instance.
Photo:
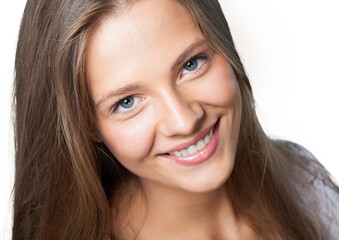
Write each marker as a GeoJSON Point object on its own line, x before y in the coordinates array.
{"type": "Point", "coordinates": [195, 140]}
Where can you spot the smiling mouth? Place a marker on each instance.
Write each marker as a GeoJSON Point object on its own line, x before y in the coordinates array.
{"type": "Point", "coordinates": [194, 148]}
{"type": "Point", "coordinates": [197, 150]}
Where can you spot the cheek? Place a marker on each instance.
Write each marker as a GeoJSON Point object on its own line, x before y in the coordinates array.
{"type": "Point", "coordinates": [220, 86]}
{"type": "Point", "coordinates": [225, 87]}
{"type": "Point", "coordinates": [129, 141]}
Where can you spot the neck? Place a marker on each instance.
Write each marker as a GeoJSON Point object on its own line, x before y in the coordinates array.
{"type": "Point", "coordinates": [156, 211]}
{"type": "Point", "coordinates": [188, 215]}
{"type": "Point", "coordinates": [167, 201]}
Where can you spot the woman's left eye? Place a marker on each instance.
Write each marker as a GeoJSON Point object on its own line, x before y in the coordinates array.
{"type": "Point", "coordinates": [126, 105]}
{"type": "Point", "coordinates": [194, 64]}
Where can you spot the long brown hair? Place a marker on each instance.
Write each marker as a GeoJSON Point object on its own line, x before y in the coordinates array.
{"type": "Point", "coordinates": [63, 177]}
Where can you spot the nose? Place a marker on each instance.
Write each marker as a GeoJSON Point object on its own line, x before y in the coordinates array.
{"type": "Point", "coordinates": [179, 115]}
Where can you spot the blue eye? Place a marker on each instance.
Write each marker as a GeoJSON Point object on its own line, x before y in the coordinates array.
{"type": "Point", "coordinates": [126, 105]}
{"type": "Point", "coordinates": [194, 64]}
{"type": "Point", "coordinates": [191, 65]}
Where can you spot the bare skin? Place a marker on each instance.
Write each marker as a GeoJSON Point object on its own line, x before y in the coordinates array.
{"type": "Point", "coordinates": [210, 217]}
{"type": "Point", "coordinates": [158, 86]}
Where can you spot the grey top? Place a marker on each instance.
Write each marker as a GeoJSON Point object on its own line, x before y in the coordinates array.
{"type": "Point", "coordinates": [321, 198]}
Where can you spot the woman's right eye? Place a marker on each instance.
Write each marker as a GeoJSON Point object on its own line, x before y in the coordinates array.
{"type": "Point", "coordinates": [126, 105]}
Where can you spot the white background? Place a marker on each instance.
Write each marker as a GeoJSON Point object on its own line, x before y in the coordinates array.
{"type": "Point", "coordinates": [290, 49]}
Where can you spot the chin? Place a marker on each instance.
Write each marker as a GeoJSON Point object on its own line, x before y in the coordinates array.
{"type": "Point", "coordinates": [212, 181]}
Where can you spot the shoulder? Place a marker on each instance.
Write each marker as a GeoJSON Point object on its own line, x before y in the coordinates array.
{"type": "Point", "coordinates": [296, 151]}
{"type": "Point", "coordinates": [303, 161]}
{"type": "Point", "coordinates": [319, 193]}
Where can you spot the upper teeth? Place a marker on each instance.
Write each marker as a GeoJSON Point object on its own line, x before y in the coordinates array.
{"type": "Point", "coordinates": [195, 147]}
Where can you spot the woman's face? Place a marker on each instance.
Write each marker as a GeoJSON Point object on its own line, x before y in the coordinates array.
{"type": "Point", "coordinates": [167, 106]}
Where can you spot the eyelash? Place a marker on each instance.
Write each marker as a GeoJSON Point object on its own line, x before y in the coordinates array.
{"type": "Point", "coordinates": [200, 67]}
{"type": "Point", "coordinates": [202, 57]}
{"type": "Point", "coordinates": [115, 108]}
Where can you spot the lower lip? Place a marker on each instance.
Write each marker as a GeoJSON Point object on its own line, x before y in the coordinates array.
{"type": "Point", "coordinates": [202, 155]}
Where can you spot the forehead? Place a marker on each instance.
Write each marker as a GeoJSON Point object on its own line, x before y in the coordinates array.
{"type": "Point", "coordinates": [142, 40]}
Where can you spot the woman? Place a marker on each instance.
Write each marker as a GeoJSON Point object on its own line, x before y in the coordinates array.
{"type": "Point", "coordinates": [135, 120]}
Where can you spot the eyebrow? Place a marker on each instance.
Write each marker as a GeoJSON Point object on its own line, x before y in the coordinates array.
{"type": "Point", "coordinates": [182, 57]}
{"type": "Point", "coordinates": [134, 86]}
{"type": "Point", "coordinates": [118, 92]}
